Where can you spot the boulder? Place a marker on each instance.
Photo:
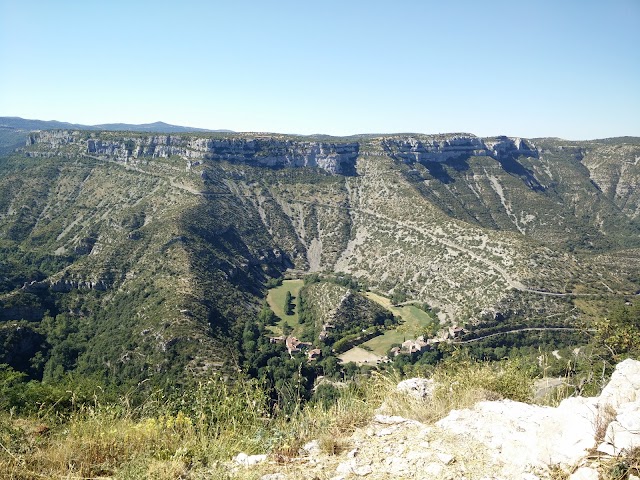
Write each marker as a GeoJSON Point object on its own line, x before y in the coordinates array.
{"type": "Point", "coordinates": [249, 460]}
{"type": "Point", "coordinates": [624, 432]}
{"type": "Point", "coordinates": [624, 385]}
{"type": "Point", "coordinates": [521, 436]}
{"type": "Point", "coordinates": [528, 435]}
{"type": "Point", "coordinates": [419, 388]}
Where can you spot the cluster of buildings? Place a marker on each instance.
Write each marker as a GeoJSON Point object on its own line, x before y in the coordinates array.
{"type": "Point", "coordinates": [420, 345]}
{"type": "Point", "coordinates": [410, 347]}
{"type": "Point", "coordinates": [294, 345]}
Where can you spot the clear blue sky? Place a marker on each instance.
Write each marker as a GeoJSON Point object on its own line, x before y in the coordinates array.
{"type": "Point", "coordinates": [530, 68]}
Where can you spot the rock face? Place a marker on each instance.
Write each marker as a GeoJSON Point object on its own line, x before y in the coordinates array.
{"type": "Point", "coordinates": [522, 435]}
{"type": "Point", "coordinates": [622, 395]}
{"type": "Point", "coordinates": [528, 435]}
{"type": "Point", "coordinates": [333, 157]}
{"type": "Point", "coordinates": [52, 138]}
{"type": "Point", "coordinates": [441, 148]}
{"type": "Point", "coordinates": [615, 169]}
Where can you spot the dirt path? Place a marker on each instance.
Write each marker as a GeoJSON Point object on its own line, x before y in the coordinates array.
{"type": "Point", "coordinates": [531, 329]}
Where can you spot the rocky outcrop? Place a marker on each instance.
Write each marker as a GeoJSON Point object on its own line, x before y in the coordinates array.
{"type": "Point", "coordinates": [615, 170]}
{"type": "Point", "coordinates": [440, 148]}
{"type": "Point", "coordinates": [419, 388]}
{"type": "Point", "coordinates": [274, 151]}
{"type": "Point", "coordinates": [52, 138]}
{"type": "Point", "coordinates": [524, 437]}
{"type": "Point", "coordinates": [502, 440]}
{"type": "Point", "coordinates": [279, 151]}
{"type": "Point", "coordinates": [64, 285]}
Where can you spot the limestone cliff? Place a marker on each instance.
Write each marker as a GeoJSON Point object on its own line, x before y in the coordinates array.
{"type": "Point", "coordinates": [270, 151]}
{"type": "Point", "coordinates": [440, 148]}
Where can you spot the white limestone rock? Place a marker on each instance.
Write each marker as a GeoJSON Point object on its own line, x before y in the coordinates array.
{"type": "Point", "coordinates": [311, 448]}
{"type": "Point", "coordinates": [522, 436]}
{"type": "Point", "coordinates": [249, 460]}
{"type": "Point", "coordinates": [346, 468]}
{"type": "Point", "coordinates": [445, 458]}
{"type": "Point", "coordinates": [274, 476]}
{"type": "Point", "coordinates": [393, 420]}
{"type": "Point", "coordinates": [363, 470]}
{"type": "Point", "coordinates": [624, 432]}
{"type": "Point", "coordinates": [419, 388]}
{"type": "Point", "coordinates": [624, 386]}
{"type": "Point", "coordinates": [528, 435]}
{"type": "Point", "coordinates": [434, 470]}
{"type": "Point", "coordinates": [607, 449]}
{"type": "Point", "coordinates": [585, 473]}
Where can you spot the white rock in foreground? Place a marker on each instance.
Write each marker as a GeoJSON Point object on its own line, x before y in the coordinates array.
{"type": "Point", "coordinates": [419, 388]}
{"type": "Point", "coordinates": [622, 394]}
{"type": "Point", "coordinates": [528, 434]}
{"type": "Point", "coordinates": [521, 436]}
{"type": "Point", "coordinates": [624, 432]}
{"type": "Point", "coordinates": [249, 460]}
{"type": "Point", "coordinates": [624, 386]}
{"type": "Point", "coordinates": [585, 473]}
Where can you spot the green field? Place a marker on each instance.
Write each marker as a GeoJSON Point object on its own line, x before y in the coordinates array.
{"type": "Point", "coordinates": [414, 323]}
{"type": "Point", "coordinates": [275, 299]}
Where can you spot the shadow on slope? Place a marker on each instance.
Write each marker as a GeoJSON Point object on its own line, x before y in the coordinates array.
{"type": "Point", "coordinates": [231, 256]}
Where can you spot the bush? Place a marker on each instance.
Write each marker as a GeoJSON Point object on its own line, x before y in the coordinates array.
{"type": "Point", "coordinates": [617, 334]}
{"type": "Point", "coordinates": [274, 282]}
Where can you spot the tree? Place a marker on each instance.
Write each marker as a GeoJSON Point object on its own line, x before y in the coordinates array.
{"type": "Point", "coordinates": [618, 333]}
{"type": "Point", "coordinates": [288, 304]}
{"type": "Point", "coordinates": [266, 315]}
{"type": "Point", "coordinates": [286, 329]}
{"type": "Point", "coordinates": [398, 296]}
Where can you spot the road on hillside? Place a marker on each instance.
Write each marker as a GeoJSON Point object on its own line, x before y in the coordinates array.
{"type": "Point", "coordinates": [528, 329]}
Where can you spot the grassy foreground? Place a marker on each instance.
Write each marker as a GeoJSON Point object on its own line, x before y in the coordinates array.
{"type": "Point", "coordinates": [198, 433]}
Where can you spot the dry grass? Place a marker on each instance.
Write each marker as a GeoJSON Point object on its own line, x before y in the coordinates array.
{"type": "Point", "coordinates": [605, 416]}
{"type": "Point", "coordinates": [117, 442]}
{"type": "Point", "coordinates": [162, 442]}
{"type": "Point", "coordinates": [619, 468]}
{"type": "Point", "coordinates": [331, 443]}
{"type": "Point", "coordinates": [461, 383]}
{"type": "Point", "coordinates": [97, 444]}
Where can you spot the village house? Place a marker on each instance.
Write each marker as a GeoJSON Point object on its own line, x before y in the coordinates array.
{"type": "Point", "coordinates": [414, 346]}
{"type": "Point", "coordinates": [324, 333]}
{"type": "Point", "coordinates": [455, 331]}
{"type": "Point", "coordinates": [294, 345]}
{"type": "Point", "coordinates": [314, 354]}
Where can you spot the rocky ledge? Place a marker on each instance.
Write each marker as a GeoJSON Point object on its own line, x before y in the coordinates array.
{"type": "Point", "coordinates": [440, 148]}
{"type": "Point", "coordinates": [270, 151]}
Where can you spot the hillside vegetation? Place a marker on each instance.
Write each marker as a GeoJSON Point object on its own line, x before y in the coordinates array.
{"type": "Point", "coordinates": [137, 258]}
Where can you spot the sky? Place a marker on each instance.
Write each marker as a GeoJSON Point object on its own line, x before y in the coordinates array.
{"type": "Point", "coordinates": [568, 68]}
